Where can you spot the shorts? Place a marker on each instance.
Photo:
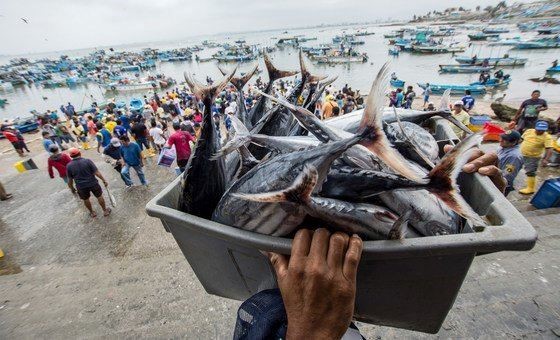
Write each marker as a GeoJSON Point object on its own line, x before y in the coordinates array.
{"type": "Point", "coordinates": [531, 165]}
{"type": "Point", "coordinates": [17, 145]}
{"type": "Point", "coordinates": [525, 123]}
{"type": "Point", "coordinates": [84, 193]}
{"type": "Point", "coordinates": [181, 163]}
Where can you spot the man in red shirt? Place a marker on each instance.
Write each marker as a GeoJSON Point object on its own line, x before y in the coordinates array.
{"type": "Point", "coordinates": [12, 137]}
{"type": "Point", "coordinates": [181, 141]}
{"type": "Point", "coordinates": [58, 160]}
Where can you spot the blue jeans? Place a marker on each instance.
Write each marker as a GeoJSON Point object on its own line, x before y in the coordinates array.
{"type": "Point", "coordinates": [125, 172]}
{"type": "Point", "coordinates": [142, 142]}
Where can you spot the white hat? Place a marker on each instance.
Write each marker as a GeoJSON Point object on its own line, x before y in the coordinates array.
{"type": "Point", "coordinates": [459, 102]}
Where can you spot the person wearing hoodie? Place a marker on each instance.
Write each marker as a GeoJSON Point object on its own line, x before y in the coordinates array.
{"type": "Point", "coordinates": [58, 160]}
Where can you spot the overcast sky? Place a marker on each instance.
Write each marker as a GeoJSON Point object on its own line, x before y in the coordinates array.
{"type": "Point", "coordinates": [71, 24]}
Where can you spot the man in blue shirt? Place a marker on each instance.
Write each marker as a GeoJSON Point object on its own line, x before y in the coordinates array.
{"type": "Point", "coordinates": [468, 101]}
{"type": "Point", "coordinates": [103, 137]}
{"type": "Point", "coordinates": [131, 158]}
{"type": "Point", "coordinates": [119, 130]}
{"type": "Point", "coordinates": [510, 160]}
{"type": "Point", "coordinates": [125, 120]}
{"type": "Point", "coordinates": [47, 142]}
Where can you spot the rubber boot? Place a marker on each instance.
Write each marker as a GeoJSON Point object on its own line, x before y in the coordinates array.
{"type": "Point", "coordinates": [530, 188]}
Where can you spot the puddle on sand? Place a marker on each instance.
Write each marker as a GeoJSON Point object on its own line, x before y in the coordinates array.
{"type": "Point", "coordinates": [8, 266]}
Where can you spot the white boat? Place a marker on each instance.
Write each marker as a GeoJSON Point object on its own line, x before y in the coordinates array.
{"type": "Point", "coordinates": [116, 87]}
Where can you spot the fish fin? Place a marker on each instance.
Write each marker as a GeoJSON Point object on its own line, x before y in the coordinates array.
{"type": "Point", "coordinates": [306, 118]}
{"type": "Point", "coordinates": [372, 125]}
{"type": "Point", "coordinates": [222, 70]}
{"type": "Point", "coordinates": [242, 137]}
{"type": "Point", "coordinates": [299, 192]}
{"type": "Point", "coordinates": [445, 100]}
{"type": "Point", "coordinates": [411, 143]}
{"type": "Point", "coordinates": [319, 92]}
{"type": "Point", "coordinates": [239, 82]}
{"type": "Point", "coordinates": [449, 117]}
{"type": "Point", "coordinates": [208, 91]}
{"type": "Point", "coordinates": [248, 161]}
{"type": "Point", "coordinates": [305, 75]}
{"type": "Point", "coordinates": [443, 178]}
{"type": "Point", "coordinates": [273, 72]}
{"type": "Point", "coordinates": [398, 231]}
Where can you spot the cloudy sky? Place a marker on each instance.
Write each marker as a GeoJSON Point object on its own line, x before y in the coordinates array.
{"type": "Point", "coordinates": [71, 24]}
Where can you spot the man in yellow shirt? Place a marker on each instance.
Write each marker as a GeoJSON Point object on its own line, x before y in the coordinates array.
{"type": "Point", "coordinates": [330, 103]}
{"type": "Point", "coordinates": [535, 142]}
{"type": "Point", "coordinates": [110, 124]}
{"type": "Point", "coordinates": [462, 116]}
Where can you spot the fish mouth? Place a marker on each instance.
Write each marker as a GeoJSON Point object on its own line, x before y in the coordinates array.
{"type": "Point", "coordinates": [385, 216]}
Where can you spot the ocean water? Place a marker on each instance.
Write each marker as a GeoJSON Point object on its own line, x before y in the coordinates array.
{"type": "Point", "coordinates": [413, 68]}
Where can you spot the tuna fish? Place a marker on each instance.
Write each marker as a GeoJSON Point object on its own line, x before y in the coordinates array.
{"type": "Point", "coordinates": [204, 179]}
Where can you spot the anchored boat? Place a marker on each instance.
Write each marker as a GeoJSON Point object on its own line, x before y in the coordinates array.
{"type": "Point", "coordinates": [455, 89]}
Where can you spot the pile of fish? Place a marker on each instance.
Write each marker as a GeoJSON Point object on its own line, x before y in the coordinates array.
{"type": "Point", "coordinates": [375, 172]}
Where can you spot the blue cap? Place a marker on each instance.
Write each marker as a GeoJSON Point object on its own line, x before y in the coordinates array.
{"type": "Point", "coordinates": [541, 125]}
{"type": "Point", "coordinates": [511, 136]}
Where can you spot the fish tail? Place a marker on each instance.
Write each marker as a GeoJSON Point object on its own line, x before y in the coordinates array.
{"type": "Point", "coordinates": [305, 75]}
{"type": "Point", "coordinates": [211, 91]}
{"type": "Point", "coordinates": [445, 100]}
{"type": "Point", "coordinates": [443, 178]}
{"type": "Point", "coordinates": [371, 128]}
{"type": "Point", "coordinates": [239, 82]}
{"type": "Point", "coordinates": [241, 138]}
{"type": "Point", "coordinates": [299, 192]}
{"type": "Point", "coordinates": [273, 72]}
{"type": "Point", "coordinates": [398, 231]}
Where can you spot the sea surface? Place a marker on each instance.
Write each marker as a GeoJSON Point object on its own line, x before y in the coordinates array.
{"type": "Point", "coordinates": [413, 68]}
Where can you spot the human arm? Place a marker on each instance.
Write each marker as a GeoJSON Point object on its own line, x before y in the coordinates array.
{"type": "Point", "coordinates": [485, 164]}
{"type": "Point", "coordinates": [547, 155]}
{"type": "Point", "coordinates": [518, 113]}
{"type": "Point", "coordinates": [543, 107]}
{"type": "Point", "coordinates": [100, 176]}
{"type": "Point", "coordinates": [318, 283]}
{"type": "Point", "coordinates": [71, 184]}
{"type": "Point", "coordinates": [51, 173]}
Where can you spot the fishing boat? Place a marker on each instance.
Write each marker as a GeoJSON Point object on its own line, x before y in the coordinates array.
{"type": "Point", "coordinates": [136, 105]}
{"type": "Point", "coordinates": [433, 49]}
{"type": "Point", "coordinates": [397, 83]}
{"type": "Point", "coordinates": [505, 61]}
{"type": "Point", "coordinates": [555, 69]}
{"type": "Point", "coordinates": [481, 36]}
{"type": "Point", "coordinates": [494, 82]}
{"type": "Point", "coordinates": [463, 68]}
{"type": "Point", "coordinates": [505, 42]}
{"type": "Point", "coordinates": [75, 80]}
{"type": "Point", "coordinates": [341, 59]}
{"type": "Point", "coordinates": [534, 45]}
{"type": "Point", "coordinates": [289, 41]}
{"type": "Point", "coordinates": [455, 89]}
{"type": "Point", "coordinates": [24, 125]}
{"type": "Point", "coordinates": [495, 30]}
{"type": "Point", "coordinates": [394, 51]}
{"type": "Point", "coordinates": [130, 68]}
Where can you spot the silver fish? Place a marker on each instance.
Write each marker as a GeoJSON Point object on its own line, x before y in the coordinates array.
{"type": "Point", "coordinates": [372, 221]}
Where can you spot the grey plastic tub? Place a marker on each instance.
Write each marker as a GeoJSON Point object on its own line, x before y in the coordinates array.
{"type": "Point", "coordinates": [410, 284]}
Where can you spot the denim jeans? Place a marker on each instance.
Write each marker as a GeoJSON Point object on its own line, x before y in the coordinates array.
{"type": "Point", "coordinates": [142, 142]}
{"type": "Point", "coordinates": [125, 172]}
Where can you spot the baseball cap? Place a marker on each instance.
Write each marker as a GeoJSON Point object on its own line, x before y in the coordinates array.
{"type": "Point", "coordinates": [74, 152]}
{"type": "Point", "coordinates": [511, 136]}
{"type": "Point", "coordinates": [115, 141]}
{"type": "Point", "coordinates": [459, 102]}
{"type": "Point", "coordinates": [541, 125]}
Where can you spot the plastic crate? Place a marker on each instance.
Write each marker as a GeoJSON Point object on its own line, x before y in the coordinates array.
{"type": "Point", "coordinates": [548, 195]}
{"type": "Point", "coordinates": [410, 284]}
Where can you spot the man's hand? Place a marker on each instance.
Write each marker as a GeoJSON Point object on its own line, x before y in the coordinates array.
{"type": "Point", "coordinates": [318, 283]}
{"type": "Point", "coordinates": [485, 164]}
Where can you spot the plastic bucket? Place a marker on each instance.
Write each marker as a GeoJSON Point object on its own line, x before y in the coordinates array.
{"type": "Point", "coordinates": [410, 284]}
